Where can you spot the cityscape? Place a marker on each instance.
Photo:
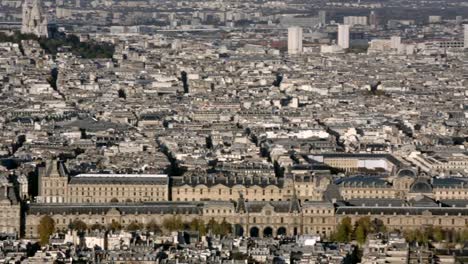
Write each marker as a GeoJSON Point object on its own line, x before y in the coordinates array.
{"type": "Point", "coordinates": [232, 131]}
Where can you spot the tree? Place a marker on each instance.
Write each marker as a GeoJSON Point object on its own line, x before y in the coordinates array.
{"type": "Point", "coordinates": [363, 227]}
{"type": "Point", "coordinates": [464, 235]}
{"type": "Point", "coordinates": [438, 234]}
{"type": "Point", "coordinates": [198, 225]}
{"type": "Point", "coordinates": [221, 229]}
{"type": "Point", "coordinates": [360, 234]}
{"type": "Point", "coordinates": [378, 226]}
{"type": "Point", "coordinates": [173, 224]}
{"type": "Point", "coordinates": [97, 226]}
{"type": "Point", "coordinates": [225, 228]}
{"type": "Point", "coordinates": [114, 226]}
{"type": "Point", "coordinates": [134, 226]}
{"type": "Point", "coordinates": [152, 226]}
{"type": "Point", "coordinates": [343, 231]}
{"type": "Point", "coordinates": [78, 225]}
{"type": "Point", "coordinates": [417, 235]}
{"type": "Point", "coordinates": [45, 229]}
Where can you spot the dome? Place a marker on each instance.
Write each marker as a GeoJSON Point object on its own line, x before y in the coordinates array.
{"type": "Point", "coordinates": [407, 173]}
{"type": "Point", "coordinates": [421, 186]}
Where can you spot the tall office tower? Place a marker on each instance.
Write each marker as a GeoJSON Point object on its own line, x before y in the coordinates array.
{"type": "Point", "coordinates": [373, 20]}
{"type": "Point", "coordinates": [294, 40]}
{"type": "Point", "coordinates": [322, 17]}
{"type": "Point", "coordinates": [465, 35]}
{"type": "Point", "coordinates": [343, 36]}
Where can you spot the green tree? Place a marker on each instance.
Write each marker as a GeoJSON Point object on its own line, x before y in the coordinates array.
{"type": "Point", "coordinates": [360, 234]}
{"type": "Point", "coordinates": [378, 226]}
{"type": "Point", "coordinates": [363, 227]}
{"type": "Point", "coordinates": [225, 228]}
{"type": "Point", "coordinates": [438, 234]}
{"type": "Point", "coordinates": [417, 235]}
{"type": "Point", "coordinates": [97, 226]}
{"type": "Point", "coordinates": [343, 231]}
{"type": "Point", "coordinates": [464, 235]}
{"type": "Point", "coordinates": [114, 226]}
{"type": "Point", "coordinates": [198, 225]}
{"type": "Point", "coordinates": [152, 226]}
{"type": "Point", "coordinates": [221, 229]}
{"type": "Point", "coordinates": [45, 229]}
{"type": "Point", "coordinates": [173, 224]}
{"type": "Point", "coordinates": [78, 225]}
{"type": "Point", "coordinates": [134, 226]}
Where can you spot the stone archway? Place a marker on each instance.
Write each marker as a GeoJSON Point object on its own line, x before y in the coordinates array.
{"type": "Point", "coordinates": [238, 230]}
{"type": "Point", "coordinates": [267, 232]}
{"type": "Point", "coordinates": [281, 231]}
{"type": "Point", "coordinates": [254, 232]}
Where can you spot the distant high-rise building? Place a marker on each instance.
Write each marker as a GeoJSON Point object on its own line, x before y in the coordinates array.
{"type": "Point", "coordinates": [395, 42]}
{"type": "Point", "coordinates": [458, 20]}
{"type": "Point", "coordinates": [373, 19]}
{"type": "Point", "coordinates": [323, 17]}
{"type": "Point", "coordinates": [355, 20]}
{"type": "Point", "coordinates": [294, 40]}
{"type": "Point", "coordinates": [465, 35]}
{"type": "Point", "coordinates": [435, 19]}
{"type": "Point", "coordinates": [34, 20]}
{"type": "Point", "coordinates": [343, 36]}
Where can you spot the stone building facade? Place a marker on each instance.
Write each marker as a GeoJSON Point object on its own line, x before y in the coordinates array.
{"type": "Point", "coordinates": [56, 186]}
{"type": "Point", "coordinates": [259, 218]}
{"type": "Point", "coordinates": [10, 211]}
{"type": "Point", "coordinates": [229, 188]}
{"type": "Point", "coordinates": [254, 206]}
{"type": "Point", "coordinates": [219, 188]}
{"type": "Point", "coordinates": [255, 219]}
{"type": "Point", "coordinates": [405, 185]}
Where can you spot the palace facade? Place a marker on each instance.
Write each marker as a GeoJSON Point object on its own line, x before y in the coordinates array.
{"type": "Point", "coordinates": [254, 206]}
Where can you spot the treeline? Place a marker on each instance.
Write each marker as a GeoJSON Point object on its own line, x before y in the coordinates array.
{"type": "Point", "coordinates": [16, 37]}
{"type": "Point", "coordinates": [87, 50]}
{"type": "Point", "coordinates": [346, 232]}
{"type": "Point", "coordinates": [437, 234]}
{"type": "Point", "coordinates": [47, 227]}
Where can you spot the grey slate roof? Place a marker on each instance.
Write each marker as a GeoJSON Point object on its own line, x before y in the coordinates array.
{"type": "Point", "coordinates": [130, 208]}
{"type": "Point", "coordinates": [364, 181]}
{"type": "Point", "coordinates": [360, 210]}
{"type": "Point", "coordinates": [119, 180]}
